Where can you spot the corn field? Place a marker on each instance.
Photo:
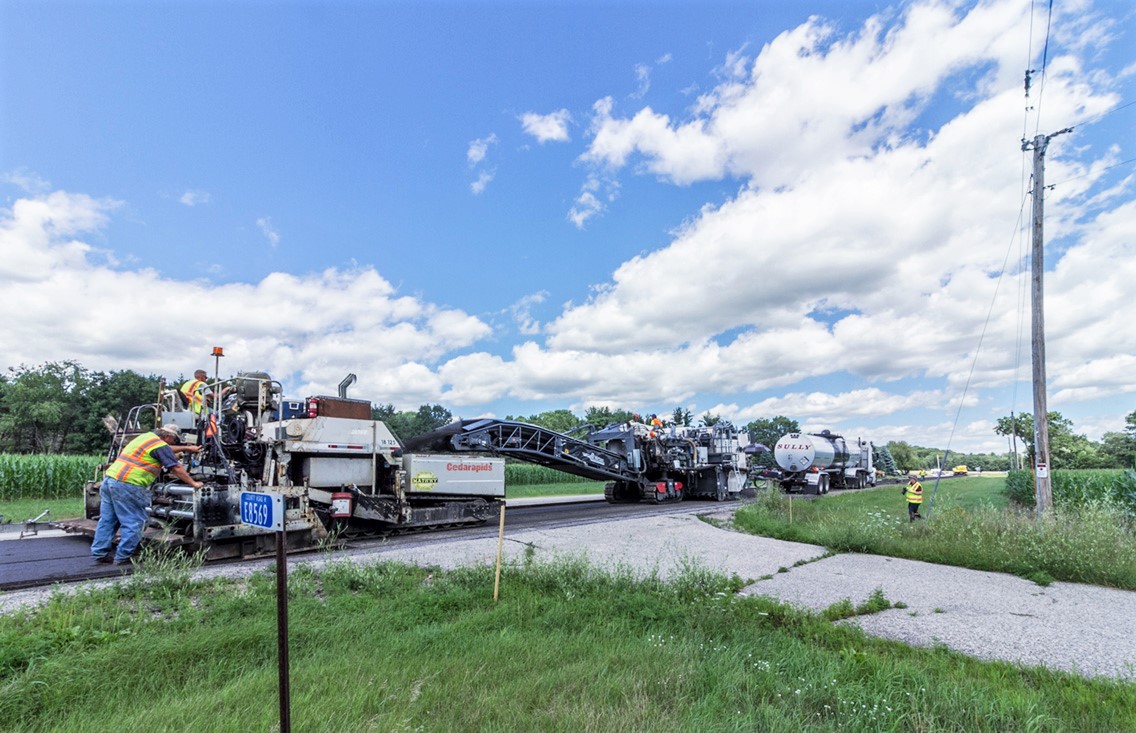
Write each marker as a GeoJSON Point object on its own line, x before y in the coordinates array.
{"type": "Point", "coordinates": [1078, 488]}
{"type": "Point", "coordinates": [527, 474]}
{"type": "Point", "coordinates": [45, 476]}
{"type": "Point", "coordinates": [50, 476]}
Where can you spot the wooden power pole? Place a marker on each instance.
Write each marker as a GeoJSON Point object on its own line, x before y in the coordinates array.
{"type": "Point", "coordinates": [1042, 489]}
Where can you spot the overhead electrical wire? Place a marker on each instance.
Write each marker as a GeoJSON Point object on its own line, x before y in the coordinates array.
{"type": "Point", "coordinates": [1026, 256]}
{"type": "Point", "coordinates": [1019, 227]}
{"type": "Point", "coordinates": [978, 348]}
{"type": "Point", "coordinates": [1052, 186]}
{"type": "Point", "coordinates": [1044, 64]}
{"type": "Point", "coordinates": [1102, 115]}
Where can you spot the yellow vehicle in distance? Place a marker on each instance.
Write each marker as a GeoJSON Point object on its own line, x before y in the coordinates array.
{"type": "Point", "coordinates": [959, 470]}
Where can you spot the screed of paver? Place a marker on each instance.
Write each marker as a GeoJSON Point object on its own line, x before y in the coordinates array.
{"type": "Point", "coordinates": [1076, 628]}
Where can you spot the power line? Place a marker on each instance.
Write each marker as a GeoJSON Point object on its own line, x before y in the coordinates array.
{"type": "Point", "coordinates": [1052, 186]}
{"type": "Point", "coordinates": [1044, 64]}
{"type": "Point", "coordinates": [1102, 115]}
{"type": "Point", "coordinates": [1045, 49]}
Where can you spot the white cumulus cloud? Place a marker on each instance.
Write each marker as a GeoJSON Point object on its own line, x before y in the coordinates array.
{"type": "Point", "coordinates": [866, 239]}
{"type": "Point", "coordinates": [484, 178]}
{"type": "Point", "coordinates": [479, 148]}
{"type": "Point", "coordinates": [307, 330]}
{"type": "Point", "coordinates": [552, 127]}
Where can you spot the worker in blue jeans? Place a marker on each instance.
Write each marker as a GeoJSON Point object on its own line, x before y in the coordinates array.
{"type": "Point", "coordinates": [124, 495]}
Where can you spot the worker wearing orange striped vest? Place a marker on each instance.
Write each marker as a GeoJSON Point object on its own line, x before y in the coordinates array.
{"type": "Point", "coordinates": [913, 492]}
{"type": "Point", "coordinates": [124, 495]}
{"type": "Point", "coordinates": [194, 391]}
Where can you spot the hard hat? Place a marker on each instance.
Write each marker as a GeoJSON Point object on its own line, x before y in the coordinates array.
{"type": "Point", "coordinates": [171, 430]}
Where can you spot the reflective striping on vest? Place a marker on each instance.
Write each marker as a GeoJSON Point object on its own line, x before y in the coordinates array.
{"type": "Point", "coordinates": [914, 494]}
{"type": "Point", "coordinates": [136, 463]}
{"type": "Point", "coordinates": [193, 391]}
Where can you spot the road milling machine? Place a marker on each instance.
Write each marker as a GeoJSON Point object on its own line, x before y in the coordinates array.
{"type": "Point", "coordinates": [638, 462]}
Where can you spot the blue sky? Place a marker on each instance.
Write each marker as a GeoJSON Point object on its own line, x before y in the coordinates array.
{"type": "Point", "coordinates": [753, 209]}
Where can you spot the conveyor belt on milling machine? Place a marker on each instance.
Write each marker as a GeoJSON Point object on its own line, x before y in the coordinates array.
{"type": "Point", "coordinates": [529, 443]}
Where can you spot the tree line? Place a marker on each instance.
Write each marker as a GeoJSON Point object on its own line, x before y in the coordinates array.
{"type": "Point", "coordinates": [57, 407]}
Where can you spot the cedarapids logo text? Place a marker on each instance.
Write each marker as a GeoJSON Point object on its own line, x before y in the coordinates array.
{"type": "Point", "coordinates": [474, 467]}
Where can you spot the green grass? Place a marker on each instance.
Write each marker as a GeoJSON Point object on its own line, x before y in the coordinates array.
{"type": "Point", "coordinates": [568, 648]}
{"type": "Point", "coordinates": [970, 524]}
{"type": "Point", "coordinates": [529, 491]}
{"type": "Point", "coordinates": [20, 510]}
{"type": "Point", "coordinates": [876, 603]}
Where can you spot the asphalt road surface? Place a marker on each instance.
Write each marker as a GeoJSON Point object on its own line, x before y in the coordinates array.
{"type": "Point", "coordinates": [53, 556]}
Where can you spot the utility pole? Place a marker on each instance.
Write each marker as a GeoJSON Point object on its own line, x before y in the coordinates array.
{"type": "Point", "coordinates": [1042, 489]}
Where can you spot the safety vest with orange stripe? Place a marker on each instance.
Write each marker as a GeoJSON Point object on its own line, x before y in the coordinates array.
{"type": "Point", "coordinates": [136, 463]}
{"type": "Point", "coordinates": [193, 391]}
{"type": "Point", "coordinates": [914, 493]}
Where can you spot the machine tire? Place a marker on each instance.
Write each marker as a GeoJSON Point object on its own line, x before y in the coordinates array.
{"type": "Point", "coordinates": [822, 484]}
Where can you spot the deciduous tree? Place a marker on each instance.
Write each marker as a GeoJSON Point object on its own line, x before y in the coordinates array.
{"type": "Point", "coordinates": [111, 394]}
{"type": "Point", "coordinates": [1066, 448]}
{"type": "Point", "coordinates": [601, 416]}
{"type": "Point", "coordinates": [904, 455]}
{"type": "Point", "coordinates": [767, 431]}
{"type": "Point", "coordinates": [41, 406]}
{"type": "Point", "coordinates": [560, 421]}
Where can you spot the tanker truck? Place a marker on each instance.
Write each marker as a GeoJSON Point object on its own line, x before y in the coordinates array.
{"type": "Point", "coordinates": [813, 463]}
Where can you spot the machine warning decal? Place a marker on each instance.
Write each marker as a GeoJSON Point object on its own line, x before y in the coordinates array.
{"type": "Point", "coordinates": [424, 481]}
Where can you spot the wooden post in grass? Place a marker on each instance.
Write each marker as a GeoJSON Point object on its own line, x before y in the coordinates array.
{"type": "Point", "coordinates": [500, 543]}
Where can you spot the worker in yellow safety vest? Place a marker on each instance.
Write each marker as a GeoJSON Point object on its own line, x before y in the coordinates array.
{"type": "Point", "coordinates": [913, 492]}
{"type": "Point", "coordinates": [198, 396]}
{"type": "Point", "coordinates": [124, 496]}
{"type": "Point", "coordinates": [194, 391]}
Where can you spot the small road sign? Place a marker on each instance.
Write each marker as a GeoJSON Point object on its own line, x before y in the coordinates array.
{"type": "Point", "coordinates": [262, 510]}
{"type": "Point", "coordinates": [266, 510]}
